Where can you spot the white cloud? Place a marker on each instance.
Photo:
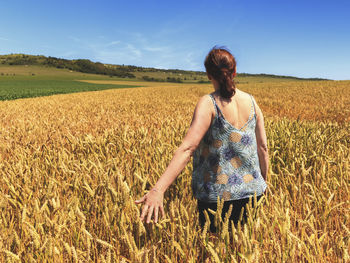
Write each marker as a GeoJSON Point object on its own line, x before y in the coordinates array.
{"type": "Point", "coordinates": [68, 54]}
{"type": "Point", "coordinates": [113, 43]}
{"type": "Point", "coordinates": [75, 39]}
{"type": "Point", "coordinates": [134, 48]}
{"type": "Point", "coordinates": [192, 61]}
{"type": "Point", "coordinates": [156, 49]}
{"type": "Point", "coordinates": [135, 51]}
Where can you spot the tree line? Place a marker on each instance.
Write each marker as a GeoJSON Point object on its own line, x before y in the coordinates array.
{"type": "Point", "coordinates": [80, 65]}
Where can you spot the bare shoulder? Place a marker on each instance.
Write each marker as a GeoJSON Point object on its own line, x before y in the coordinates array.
{"type": "Point", "coordinates": [242, 93]}
{"type": "Point", "coordinates": [204, 108]}
{"type": "Point", "coordinates": [205, 99]}
{"type": "Point", "coordinates": [244, 96]}
{"type": "Point", "coordinates": [206, 103]}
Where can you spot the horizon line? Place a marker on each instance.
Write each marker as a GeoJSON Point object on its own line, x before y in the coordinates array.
{"type": "Point", "coordinates": [169, 69]}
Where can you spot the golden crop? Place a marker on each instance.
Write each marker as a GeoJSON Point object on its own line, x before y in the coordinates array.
{"type": "Point", "coordinates": [72, 166]}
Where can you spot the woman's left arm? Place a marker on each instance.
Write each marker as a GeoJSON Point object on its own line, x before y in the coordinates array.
{"type": "Point", "coordinates": [153, 200]}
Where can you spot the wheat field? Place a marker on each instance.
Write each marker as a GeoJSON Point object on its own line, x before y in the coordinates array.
{"type": "Point", "coordinates": [72, 165]}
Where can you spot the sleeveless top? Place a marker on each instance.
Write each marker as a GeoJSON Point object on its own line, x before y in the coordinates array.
{"type": "Point", "coordinates": [226, 162]}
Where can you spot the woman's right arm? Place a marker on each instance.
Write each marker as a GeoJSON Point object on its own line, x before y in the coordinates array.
{"type": "Point", "coordinates": [202, 118]}
{"type": "Point", "coordinates": [261, 142]}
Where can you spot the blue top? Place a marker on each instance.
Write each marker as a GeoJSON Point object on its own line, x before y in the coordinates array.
{"type": "Point", "coordinates": [226, 162]}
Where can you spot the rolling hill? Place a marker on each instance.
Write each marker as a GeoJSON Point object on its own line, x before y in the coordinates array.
{"type": "Point", "coordinates": [126, 71]}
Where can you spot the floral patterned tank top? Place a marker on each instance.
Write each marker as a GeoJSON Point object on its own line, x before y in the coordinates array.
{"type": "Point", "coordinates": [226, 162]}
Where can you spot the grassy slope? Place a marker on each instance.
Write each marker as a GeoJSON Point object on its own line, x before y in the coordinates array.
{"type": "Point", "coordinates": [194, 78]}
{"type": "Point", "coordinates": [23, 70]}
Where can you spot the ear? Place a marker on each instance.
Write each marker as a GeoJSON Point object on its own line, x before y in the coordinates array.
{"type": "Point", "coordinates": [209, 77]}
{"type": "Point", "coordinates": [234, 72]}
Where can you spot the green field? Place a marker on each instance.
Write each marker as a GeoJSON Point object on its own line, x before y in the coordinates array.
{"type": "Point", "coordinates": [35, 81]}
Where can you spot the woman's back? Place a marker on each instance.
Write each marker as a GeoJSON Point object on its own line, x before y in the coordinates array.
{"type": "Point", "coordinates": [226, 163]}
{"type": "Point", "coordinates": [236, 110]}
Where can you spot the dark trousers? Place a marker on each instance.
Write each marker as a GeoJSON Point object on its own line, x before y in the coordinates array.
{"type": "Point", "coordinates": [237, 206]}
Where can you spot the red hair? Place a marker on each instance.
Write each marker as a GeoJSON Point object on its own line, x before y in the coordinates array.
{"type": "Point", "coordinates": [220, 64]}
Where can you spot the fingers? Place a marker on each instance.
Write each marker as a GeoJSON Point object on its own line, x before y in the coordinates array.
{"type": "Point", "coordinates": [144, 211]}
{"type": "Point", "coordinates": [150, 212]}
{"type": "Point", "coordinates": [147, 211]}
{"type": "Point", "coordinates": [162, 210]}
{"type": "Point", "coordinates": [156, 214]}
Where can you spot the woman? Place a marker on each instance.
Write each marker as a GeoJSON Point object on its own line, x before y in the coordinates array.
{"type": "Point", "coordinates": [227, 140]}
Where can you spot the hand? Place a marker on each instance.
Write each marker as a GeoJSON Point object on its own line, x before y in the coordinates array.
{"type": "Point", "coordinates": [153, 202]}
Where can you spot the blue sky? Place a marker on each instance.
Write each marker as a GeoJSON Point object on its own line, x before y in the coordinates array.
{"type": "Point", "coordinates": [299, 38]}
